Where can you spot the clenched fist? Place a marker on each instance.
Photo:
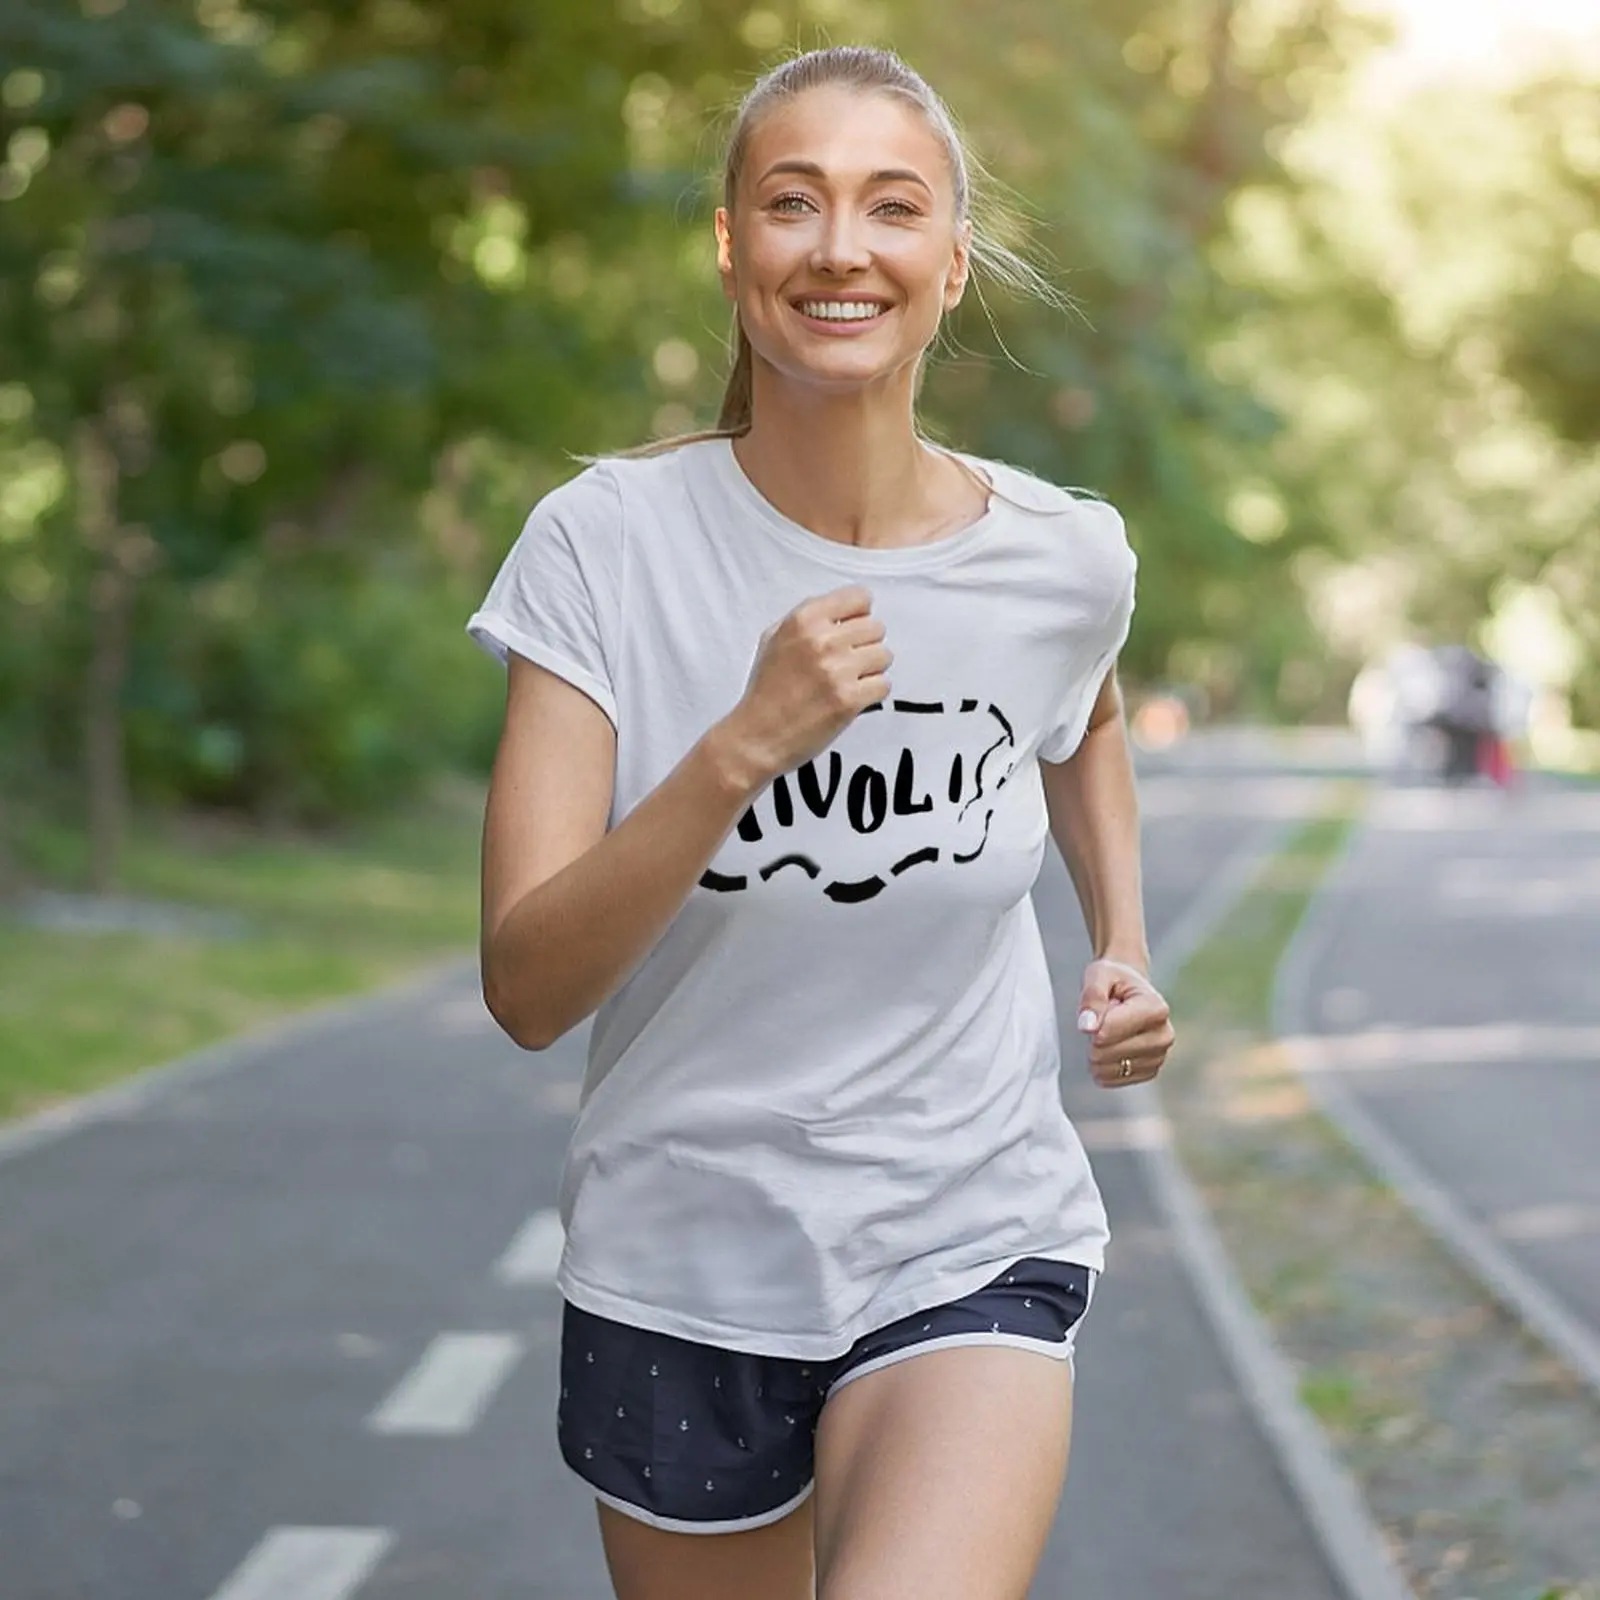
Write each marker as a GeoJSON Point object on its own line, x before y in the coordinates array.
{"type": "Point", "coordinates": [815, 671]}
{"type": "Point", "coordinates": [1129, 1023]}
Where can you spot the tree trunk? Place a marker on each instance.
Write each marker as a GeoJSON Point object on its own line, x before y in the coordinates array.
{"type": "Point", "coordinates": [8, 871]}
{"type": "Point", "coordinates": [111, 594]}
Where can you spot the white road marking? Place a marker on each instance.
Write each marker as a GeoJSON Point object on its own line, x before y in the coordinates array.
{"type": "Point", "coordinates": [1556, 1221]}
{"type": "Point", "coordinates": [448, 1389]}
{"type": "Point", "coordinates": [1128, 1132]}
{"type": "Point", "coordinates": [535, 1253]}
{"type": "Point", "coordinates": [1376, 1048]}
{"type": "Point", "coordinates": [307, 1564]}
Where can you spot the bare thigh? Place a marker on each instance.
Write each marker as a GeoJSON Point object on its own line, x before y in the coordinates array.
{"type": "Point", "coordinates": [772, 1563]}
{"type": "Point", "coordinates": [939, 1476]}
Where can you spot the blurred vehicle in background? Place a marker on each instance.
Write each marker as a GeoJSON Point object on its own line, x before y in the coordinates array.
{"type": "Point", "coordinates": [1444, 712]}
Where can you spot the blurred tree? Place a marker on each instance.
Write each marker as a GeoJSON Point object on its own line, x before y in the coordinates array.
{"type": "Point", "coordinates": [1426, 328]}
{"type": "Point", "coordinates": [298, 301]}
{"type": "Point", "coordinates": [262, 267]}
{"type": "Point", "coordinates": [1126, 128]}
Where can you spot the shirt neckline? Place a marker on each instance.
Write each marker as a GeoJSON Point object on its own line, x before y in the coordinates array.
{"type": "Point", "coordinates": [852, 557]}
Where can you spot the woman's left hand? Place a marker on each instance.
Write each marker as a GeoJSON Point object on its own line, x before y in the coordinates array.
{"type": "Point", "coordinates": [1128, 1022]}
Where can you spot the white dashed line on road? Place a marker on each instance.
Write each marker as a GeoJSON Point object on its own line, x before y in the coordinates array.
{"type": "Point", "coordinates": [450, 1387]}
{"type": "Point", "coordinates": [534, 1254]}
{"type": "Point", "coordinates": [307, 1564]}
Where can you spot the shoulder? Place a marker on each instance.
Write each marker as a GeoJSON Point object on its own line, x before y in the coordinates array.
{"type": "Point", "coordinates": [1087, 522]}
{"type": "Point", "coordinates": [611, 489]}
{"type": "Point", "coordinates": [1029, 492]}
{"type": "Point", "coordinates": [653, 472]}
{"type": "Point", "coordinates": [591, 497]}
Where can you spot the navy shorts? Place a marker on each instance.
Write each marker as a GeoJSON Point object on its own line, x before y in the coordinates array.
{"type": "Point", "coordinates": [697, 1439]}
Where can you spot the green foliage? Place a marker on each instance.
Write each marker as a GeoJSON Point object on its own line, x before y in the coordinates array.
{"type": "Point", "coordinates": [1429, 325]}
{"type": "Point", "coordinates": [280, 261]}
{"type": "Point", "coordinates": [314, 690]}
{"type": "Point", "coordinates": [333, 293]}
{"type": "Point", "coordinates": [1554, 353]}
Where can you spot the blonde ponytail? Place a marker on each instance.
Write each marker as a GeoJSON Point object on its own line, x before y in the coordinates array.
{"type": "Point", "coordinates": [737, 397]}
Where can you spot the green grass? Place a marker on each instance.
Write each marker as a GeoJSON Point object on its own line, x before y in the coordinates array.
{"type": "Point", "coordinates": [325, 917]}
{"type": "Point", "coordinates": [1475, 1449]}
{"type": "Point", "coordinates": [1229, 979]}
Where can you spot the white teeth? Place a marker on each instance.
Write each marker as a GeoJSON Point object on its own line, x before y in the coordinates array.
{"type": "Point", "coordinates": [841, 310]}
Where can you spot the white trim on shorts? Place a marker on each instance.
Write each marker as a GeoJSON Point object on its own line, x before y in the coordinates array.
{"type": "Point", "coordinates": [952, 1341]}
{"type": "Point", "coordinates": [1057, 1351]}
{"type": "Point", "coordinates": [680, 1525]}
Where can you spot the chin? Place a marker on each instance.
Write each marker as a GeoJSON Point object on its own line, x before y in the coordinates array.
{"type": "Point", "coordinates": [849, 370]}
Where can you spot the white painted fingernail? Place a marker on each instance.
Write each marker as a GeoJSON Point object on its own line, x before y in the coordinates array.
{"type": "Point", "coordinates": [1087, 1022]}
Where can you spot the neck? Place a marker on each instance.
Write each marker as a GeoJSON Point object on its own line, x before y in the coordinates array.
{"type": "Point", "coordinates": [848, 466]}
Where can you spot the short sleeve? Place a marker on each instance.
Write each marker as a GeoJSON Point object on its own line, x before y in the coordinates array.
{"type": "Point", "coordinates": [557, 598]}
{"type": "Point", "coordinates": [1099, 648]}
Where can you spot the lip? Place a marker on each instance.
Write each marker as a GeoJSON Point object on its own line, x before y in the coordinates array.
{"type": "Point", "coordinates": [837, 329]}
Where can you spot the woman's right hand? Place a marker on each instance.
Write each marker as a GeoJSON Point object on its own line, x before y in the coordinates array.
{"type": "Point", "coordinates": [815, 671]}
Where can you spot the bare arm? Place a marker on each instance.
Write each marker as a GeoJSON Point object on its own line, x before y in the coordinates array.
{"type": "Point", "coordinates": [570, 909]}
{"type": "Point", "coordinates": [1094, 819]}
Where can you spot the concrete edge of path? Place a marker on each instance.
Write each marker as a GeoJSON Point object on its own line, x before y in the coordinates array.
{"type": "Point", "coordinates": [1539, 1311]}
{"type": "Point", "coordinates": [127, 1095]}
{"type": "Point", "coordinates": [1334, 1505]}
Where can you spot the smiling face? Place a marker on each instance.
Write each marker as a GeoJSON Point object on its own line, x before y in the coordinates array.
{"type": "Point", "coordinates": [843, 250]}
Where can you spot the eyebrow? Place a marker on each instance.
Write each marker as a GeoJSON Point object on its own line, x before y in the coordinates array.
{"type": "Point", "coordinates": [809, 169]}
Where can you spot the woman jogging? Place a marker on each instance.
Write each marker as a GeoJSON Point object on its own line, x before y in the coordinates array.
{"type": "Point", "coordinates": [791, 709]}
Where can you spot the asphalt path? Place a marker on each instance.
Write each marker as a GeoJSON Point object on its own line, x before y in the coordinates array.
{"type": "Point", "coordinates": [285, 1331]}
{"type": "Point", "coordinates": [1453, 991]}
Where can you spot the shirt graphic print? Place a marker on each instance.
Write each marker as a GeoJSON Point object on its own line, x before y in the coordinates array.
{"type": "Point", "coordinates": [934, 801]}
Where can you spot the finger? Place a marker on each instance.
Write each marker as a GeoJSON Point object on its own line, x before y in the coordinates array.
{"type": "Point", "coordinates": [1146, 1053]}
{"type": "Point", "coordinates": [1115, 1078]}
{"type": "Point", "coordinates": [873, 661]}
{"type": "Point", "coordinates": [1125, 1026]}
{"type": "Point", "coordinates": [1123, 1070]}
{"type": "Point", "coordinates": [1099, 993]}
{"type": "Point", "coordinates": [840, 605]}
{"type": "Point", "coordinates": [857, 631]}
{"type": "Point", "coordinates": [1093, 1005]}
{"type": "Point", "coordinates": [1117, 1081]}
{"type": "Point", "coordinates": [1145, 1058]}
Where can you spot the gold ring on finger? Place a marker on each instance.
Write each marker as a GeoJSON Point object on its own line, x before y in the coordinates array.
{"type": "Point", "coordinates": [1127, 1067]}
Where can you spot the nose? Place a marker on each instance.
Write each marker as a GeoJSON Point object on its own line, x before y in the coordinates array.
{"type": "Point", "coordinates": [841, 244]}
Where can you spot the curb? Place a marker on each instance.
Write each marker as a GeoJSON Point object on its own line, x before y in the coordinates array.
{"type": "Point", "coordinates": [1473, 1246]}
{"type": "Point", "coordinates": [128, 1095]}
{"type": "Point", "coordinates": [1351, 1540]}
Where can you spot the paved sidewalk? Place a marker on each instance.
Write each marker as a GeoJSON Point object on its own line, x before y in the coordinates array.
{"type": "Point", "coordinates": [296, 1316]}
{"type": "Point", "coordinates": [1452, 985]}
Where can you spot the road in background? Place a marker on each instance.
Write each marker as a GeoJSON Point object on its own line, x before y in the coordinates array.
{"type": "Point", "coordinates": [1452, 988]}
{"type": "Point", "coordinates": [286, 1332]}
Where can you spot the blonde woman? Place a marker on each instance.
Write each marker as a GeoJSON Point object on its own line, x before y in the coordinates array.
{"type": "Point", "coordinates": [792, 707]}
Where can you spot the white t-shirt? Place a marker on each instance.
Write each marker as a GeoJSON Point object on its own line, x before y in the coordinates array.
{"type": "Point", "coordinates": [829, 1096]}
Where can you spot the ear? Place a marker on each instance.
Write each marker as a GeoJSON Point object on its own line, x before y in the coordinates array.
{"type": "Point", "coordinates": [724, 227]}
{"type": "Point", "coordinates": [960, 267]}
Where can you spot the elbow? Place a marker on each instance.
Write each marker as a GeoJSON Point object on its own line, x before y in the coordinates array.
{"type": "Point", "coordinates": [518, 1020]}
{"type": "Point", "coordinates": [527, 1032]}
